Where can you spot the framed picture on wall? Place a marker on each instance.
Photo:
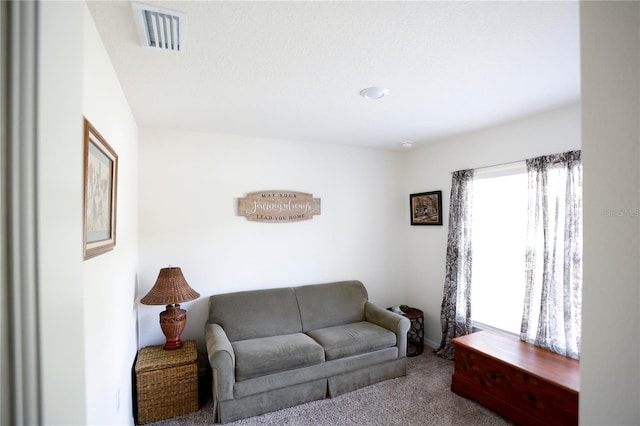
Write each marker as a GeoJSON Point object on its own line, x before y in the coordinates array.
{"type": "Point", "coordinates": [100, 189]}
{"type": "Point", "coordinates": [426, 208]}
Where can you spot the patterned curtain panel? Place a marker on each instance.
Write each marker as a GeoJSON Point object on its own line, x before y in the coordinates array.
{"type": "Point", "coordinates": [552, 313]}
{"type": "Point", "coordinates": [455, 315]}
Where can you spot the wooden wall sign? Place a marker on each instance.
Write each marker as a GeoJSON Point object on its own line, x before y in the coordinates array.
{"type": "Point", "coordinates": [278, 206]}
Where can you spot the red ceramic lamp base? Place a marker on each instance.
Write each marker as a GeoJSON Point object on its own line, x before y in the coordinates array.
{"type": "Point", "coordinates": [172, 322]}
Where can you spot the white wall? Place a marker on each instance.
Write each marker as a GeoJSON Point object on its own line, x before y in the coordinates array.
{"type": "Point", "coordinates": [110, 280]}
{"type": "Point", "coordinates": [87, 309]}
{"type": "Point", "coordinates": [429, 168]}
{"type": "Point", "coordinates": [610, 361]}
{"type": "Point", "coordinates": [221, 252]}
{"type": "Point", "coordinates": [189, 185]}
{"type": "Point", "coordinates": [61, 289]}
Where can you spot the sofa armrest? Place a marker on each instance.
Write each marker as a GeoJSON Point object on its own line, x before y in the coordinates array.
{"type": "Point", "coordinates": [393, 322]}
{"type": "Point", "coordinates": [222, 360]}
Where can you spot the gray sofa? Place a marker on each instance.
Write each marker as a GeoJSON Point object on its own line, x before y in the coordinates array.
{"type": "Point", "coordinates": [276, 348]}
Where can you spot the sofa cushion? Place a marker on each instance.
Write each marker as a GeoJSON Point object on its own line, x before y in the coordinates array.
{"type": "Point", "coordinates": [266, 355]}
{"type": "Point", "coordinates": [336, 367]}
{"type": "Point", "coordinates": [259, 313]}
{"type": "Point", "coordinates": [352, 339]}
{"type": "Point", "coordinates": [326, 305]}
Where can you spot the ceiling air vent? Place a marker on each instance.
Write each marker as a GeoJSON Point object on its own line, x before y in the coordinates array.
{"type": "Point", "coordinates": [160, 28]}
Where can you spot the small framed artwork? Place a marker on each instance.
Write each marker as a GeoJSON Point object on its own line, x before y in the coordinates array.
{"type": "Point", "coordinates": [100, 189]}
{"type": "Point", "coordinates": [426, 208]}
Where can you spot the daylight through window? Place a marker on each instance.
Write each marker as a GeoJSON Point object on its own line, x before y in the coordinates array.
{"type": "Point", "coordinates": [499, 231]}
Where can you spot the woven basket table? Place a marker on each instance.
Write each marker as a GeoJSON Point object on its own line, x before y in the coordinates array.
{"type": "Point", "coordinates": [166, 382]}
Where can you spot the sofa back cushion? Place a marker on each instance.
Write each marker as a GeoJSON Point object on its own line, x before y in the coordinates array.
{"type": "Point", "coordinates": [258, 313]}
{"type": "Point", "coordinates": [326, 305]}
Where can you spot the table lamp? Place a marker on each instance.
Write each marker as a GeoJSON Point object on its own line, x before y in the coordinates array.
{"type": "Point", "coordinates": [171, 289]}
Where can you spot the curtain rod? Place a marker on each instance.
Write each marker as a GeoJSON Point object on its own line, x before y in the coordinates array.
{"type": "Point", "coordinates": [514, 163]}
{"type": "Point", "coordinates": [509, 163]}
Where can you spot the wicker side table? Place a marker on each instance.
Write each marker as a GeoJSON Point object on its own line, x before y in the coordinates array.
{"type": "Point", "coordinates": [166, 382]}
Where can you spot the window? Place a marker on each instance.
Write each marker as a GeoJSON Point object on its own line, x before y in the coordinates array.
{"type": "Point", "coordinates": [515, 245]}
{"type": "Point", "coordinates": [499, 232]}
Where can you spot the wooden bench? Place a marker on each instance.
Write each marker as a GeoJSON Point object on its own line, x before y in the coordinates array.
{"type": "Point", "coordinates": [526, 384]}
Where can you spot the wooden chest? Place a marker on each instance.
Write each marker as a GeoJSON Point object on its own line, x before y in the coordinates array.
{"type": "Point", "coordinates": [524, 383]}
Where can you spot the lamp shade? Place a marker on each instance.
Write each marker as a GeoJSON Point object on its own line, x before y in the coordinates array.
{"type": "Point", "coordinates": [170, 288]}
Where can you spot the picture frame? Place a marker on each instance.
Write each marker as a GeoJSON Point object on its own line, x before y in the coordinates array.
{"type": "Point", "coordinates": [426, 208]}
{"type": "Point", "coordinates": [100, 193]}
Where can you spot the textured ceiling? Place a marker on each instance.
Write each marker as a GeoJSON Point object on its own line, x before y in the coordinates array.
{"type": "Point", "coordinates": [294, 70]}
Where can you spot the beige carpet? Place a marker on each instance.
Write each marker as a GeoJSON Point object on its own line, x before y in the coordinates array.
{"type": "Point", "coordinates": [423, 397]}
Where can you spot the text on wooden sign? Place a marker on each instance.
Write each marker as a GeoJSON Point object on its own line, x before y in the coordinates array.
{"type": "Point", "coordinates": [278, 206]}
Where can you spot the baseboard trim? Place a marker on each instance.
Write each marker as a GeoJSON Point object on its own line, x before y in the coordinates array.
{"type": "Point", "coordinates": [430, 344]}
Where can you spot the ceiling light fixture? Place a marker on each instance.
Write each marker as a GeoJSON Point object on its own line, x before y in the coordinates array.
{"type": "Point", "coordinates": [374, 92]}
{"type": "Point", "coordinates": [407, 144]}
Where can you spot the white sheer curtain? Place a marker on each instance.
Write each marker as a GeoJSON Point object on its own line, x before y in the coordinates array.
{"type": "Point", "coordinates": [553, 300]}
